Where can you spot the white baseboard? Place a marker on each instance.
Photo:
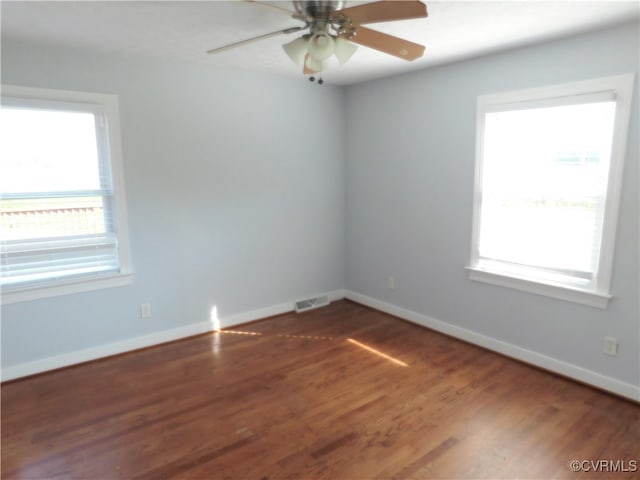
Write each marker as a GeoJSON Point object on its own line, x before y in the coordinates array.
{"type": "Point", "coordinates": [575, 372]}
{"type": "Point", "coordinates": [100, 351]}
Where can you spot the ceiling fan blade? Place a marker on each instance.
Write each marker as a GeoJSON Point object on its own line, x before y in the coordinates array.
{"type": "Point", "coordinates": [255, 39]}
{"type": "Point", "coordinates": [395, 46]}
{"type": "Point", "coordinates": [383, 11]}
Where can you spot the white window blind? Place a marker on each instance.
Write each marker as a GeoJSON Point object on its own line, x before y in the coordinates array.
{"type": "Point", "coordinates": [58, 219]}
{"type": "Point", "coordinates": [547, 179]}
{"type": "Point", "coordinates": [49, 259]}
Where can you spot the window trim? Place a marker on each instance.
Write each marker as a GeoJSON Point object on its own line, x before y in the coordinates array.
{"type": "Point", "coordinates": [106, 105]}
{"type": "Point", "coordinates": [597, 295]}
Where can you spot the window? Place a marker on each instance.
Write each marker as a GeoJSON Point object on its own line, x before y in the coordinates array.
{"type": "Point", "coordinates": [548, 174]}
{"type": "Point", "coordinates": [62, 217]}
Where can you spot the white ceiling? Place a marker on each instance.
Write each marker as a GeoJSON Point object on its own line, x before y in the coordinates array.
{"type": "Point", "coordinates": [185, 30]}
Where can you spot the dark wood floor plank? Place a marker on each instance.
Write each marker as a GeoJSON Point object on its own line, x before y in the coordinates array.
{"type": "Point", "coordinates": [343, 392]}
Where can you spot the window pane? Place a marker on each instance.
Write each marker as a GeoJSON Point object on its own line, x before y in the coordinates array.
{"type": "Point", "coordinates": [51, 217]}
{"type": "Point", "coordinates": [544, 182]}
{"type": "Point", "coordinates": [55, 198]}
{"type": "Point", "coordinates": [51, 151]}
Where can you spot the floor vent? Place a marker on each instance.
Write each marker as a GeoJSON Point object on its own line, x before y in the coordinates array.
{"type": "Point", "coordinates": [311, 303]}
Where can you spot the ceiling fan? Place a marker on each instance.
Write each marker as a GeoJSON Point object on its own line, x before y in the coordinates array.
{"type": "Point", "coordinates": [334, 29]}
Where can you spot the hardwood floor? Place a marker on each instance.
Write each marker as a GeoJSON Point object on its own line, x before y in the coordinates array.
{"type": "Point", "coordinates": [292, 397]}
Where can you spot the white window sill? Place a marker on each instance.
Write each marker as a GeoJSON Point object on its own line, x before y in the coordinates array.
{"type": "Point", "coordinates": [592, 299]}
{"type": "Point", "coordinates": [78, 285]}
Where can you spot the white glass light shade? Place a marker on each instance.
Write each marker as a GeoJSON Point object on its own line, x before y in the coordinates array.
{"type": "Point", "coordinates": [297, 49]}
{"type": "Point", "coordinates": [321, 46]}
{"type": "Point", "coordinates": [315, 65]}
{"type": "Point", "coordinates": [344, 49]}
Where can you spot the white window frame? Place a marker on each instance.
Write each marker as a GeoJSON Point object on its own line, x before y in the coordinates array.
{"type": "Point", "coordinates": [598, 294]}
{"type": "Point", "coordinates": [107, 106]}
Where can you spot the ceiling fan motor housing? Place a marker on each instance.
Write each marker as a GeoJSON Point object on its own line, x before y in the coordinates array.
{"type": "Point", "coordinates": [318, 9]}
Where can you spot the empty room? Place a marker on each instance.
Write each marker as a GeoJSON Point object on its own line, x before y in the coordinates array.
{"type": "Point", "coordinates": [320, 240]}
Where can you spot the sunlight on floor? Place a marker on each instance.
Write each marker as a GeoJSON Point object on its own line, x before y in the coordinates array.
{"type": "Point", "coordinates": [377, 352]}
{"type": "Point", "coordinates": [308, 337]}
{"type": "Point", "coordinates": [218, 332]}
{"type": "Point", "coordinates": [239, 332]}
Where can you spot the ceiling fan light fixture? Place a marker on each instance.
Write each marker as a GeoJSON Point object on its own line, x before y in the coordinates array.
{"type": "Point", "coordinates": [315, 65]}
{"type": "Point", "coordinates": [344, 50]}
{"type": "Point", "coordinates": [321, 46]}
{"type": "Point", "coordinates": [297, 49]}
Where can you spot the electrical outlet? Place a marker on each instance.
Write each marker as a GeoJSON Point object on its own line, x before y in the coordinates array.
{"type": "Point", "coordinates": [392, 283]}
{"type": "Point", "coordinates": [145, 310]}
{"type": "Point", "coordinates": [610, 346]}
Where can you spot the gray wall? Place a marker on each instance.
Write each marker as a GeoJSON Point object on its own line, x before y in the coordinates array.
{"type": "Point", "coordinates": [410, 156]}
{"type": "Point", "coordinates": [235, 189]}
